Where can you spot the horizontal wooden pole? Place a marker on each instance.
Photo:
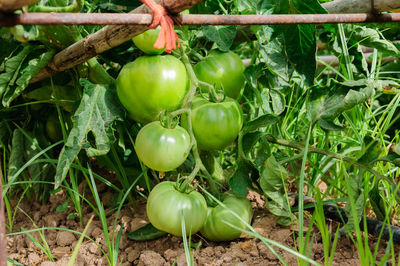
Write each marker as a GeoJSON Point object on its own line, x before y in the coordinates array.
{"type": "Point", "coordinates": [200, 19]}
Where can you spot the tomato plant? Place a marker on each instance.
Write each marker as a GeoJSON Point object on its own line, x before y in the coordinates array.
{"type": "Point", "coordinates": [166, 207]}
{"type": "Point", "coordinates": [151, 84]}
{"type": "Point", "coordinates": [215, 124]}
{"type": "Point", "coordinates": [217, 226]}
{"type": "Point", "coordinates": [160, 148]}
{"type": "Point", "coordinates": [223, 70]}
{"type": "Point", "coordinates": [146, 40]}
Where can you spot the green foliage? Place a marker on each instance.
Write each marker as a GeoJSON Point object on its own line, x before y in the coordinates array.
{"type": "Point", "coordinates": [272, 182]}
{"type": "Point", "coordinates": [98, 110]}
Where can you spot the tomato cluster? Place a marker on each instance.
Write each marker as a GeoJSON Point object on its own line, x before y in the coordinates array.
{"type": "Point", "coordinates": [168, 208]}
{"type": "Point", "coordinates": [155, 85]}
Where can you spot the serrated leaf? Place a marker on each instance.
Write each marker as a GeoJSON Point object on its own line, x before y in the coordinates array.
{"type": "Point", "coordinates": [247, 6]}
{"type": "Point", "coordinates": [98, 110]}
{"type": "Point", "coordinates": [223, 36]}
{"type": "Point", "coordinates": [272, 180]}
{"type": "Point", "coordinates": [16, 160]}
{"type": "Point", "coordinates": [371, 38]}
{"type": "Point", "coordinates": [328, 108]}
{"type": "Point", "coordinates": [274, 55]}
{"type": "Point", "coordinates": [34, 67]}
{"type": "Point", "coordinates": [11, 69]}
{"type": "Point", "coordinates": [301, 48]}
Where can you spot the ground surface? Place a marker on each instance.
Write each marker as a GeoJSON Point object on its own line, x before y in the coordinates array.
{"type": "Point", "coordinates": [164, 251]}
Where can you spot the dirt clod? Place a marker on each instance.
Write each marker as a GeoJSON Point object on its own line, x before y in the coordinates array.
{"type": "Point", "coordinates": [150, 258]}
{"type": "Point", "coordinates": [65, 238]}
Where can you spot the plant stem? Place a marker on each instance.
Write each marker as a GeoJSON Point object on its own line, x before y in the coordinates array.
{"type": "Point", "coordinates": [186, 109]}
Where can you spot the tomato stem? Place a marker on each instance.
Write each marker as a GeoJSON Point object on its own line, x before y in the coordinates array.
{"type": "Point", "coordinates": [199, 166]}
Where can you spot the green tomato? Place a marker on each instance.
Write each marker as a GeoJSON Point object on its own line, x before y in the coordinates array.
{"type": "Point", "coordinates": [150, 85]}
{"type": "Point", "coordinates": [223, 70]}
{"type": "Point", "coordinates": [215, 125]}
{"type": "Point", "coordinates": [217, 228]}
{"type": "Point", "coordinates": [146, 40]}
{"type": "Point", "coordinates": [166, 207]}
{"type": "Point", "coordinates": [53, 128]}
{"type": "Point", "coordinates": [162, 149]}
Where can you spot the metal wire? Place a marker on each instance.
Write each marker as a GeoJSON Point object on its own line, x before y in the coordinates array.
{"type": "Point", "coordinates": [203, 19]}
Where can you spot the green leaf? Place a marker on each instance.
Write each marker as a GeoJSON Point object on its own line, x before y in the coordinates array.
{"type": "Point", "coordinates": [272, 180]}
{"type": "Point", "coordinates": [240, 180]}
{"type": "Point", "coordinates": [223, 36]}
{"type": "Point", "coordinates": [309, 7]}
{"type": "Point", "coordinates": [377, 203]}
{"type": "Point", "coordinates": [328, 108]}
{"type": "Point", "coordinates": [16, 160]}
{"type": "Point", "coordinates": [63, 207]}
{"type": "Point", "coordinates": [278, 101]}
{"type": "Point", "coordinates": [34, 67]}
{"type": "Point", "coordinates": [357, 193]}
{"type": "Point", "coordinates": [147, 232]}
{"type": "Point", "coordinates": [11, 69]}
{"type": "Point", "coordinates": [98, 110]}
{"type": "Point", "coordinates": [301, 48]}
{"type": "Point", "coordinates": [274, 55]}
{"type": "Point", "coordinates": [330, 125]}
{"type": "Point", "coordinates": [371, 38]}
{"type": "Point", "coordinates": [370, 150]}
{"type": "Point", "coordinates": [262, 121]}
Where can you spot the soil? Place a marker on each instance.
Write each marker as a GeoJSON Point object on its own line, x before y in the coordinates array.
{"type": "Point", "coordinates": [167, 250]}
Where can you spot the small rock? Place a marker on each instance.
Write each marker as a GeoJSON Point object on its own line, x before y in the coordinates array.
{"type": "Point", "coordinates": [51, 220]}
{"type": "Point", "coordinates": [94, 249]}
{"type": "Point", "coordinates": [170, 254]}
{"type": "Point", "coordinates": [65, 238]}
{"type": "Point", "coordinates": [36, 216]}
{"type": "Point", "coordinates": [151, 258]}
{"type": "Point", "coordinates": [97, 232]}
{"type": "Point", "coordinates": [133, 255]}
{"type": "Point", "coordinates": [33, 259]}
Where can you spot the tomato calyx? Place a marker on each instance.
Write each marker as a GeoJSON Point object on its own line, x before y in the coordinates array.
{"type": "Point", "coordinates": [168, 121]}
{"type": "Point", "coordinates": [182, 185]}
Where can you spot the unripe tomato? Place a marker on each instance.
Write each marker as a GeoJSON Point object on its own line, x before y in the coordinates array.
{"type": "Point", "coordinates": [215, 125]}
{"type": "Point", "coordinates": [162, 149]}
{"type": "Point", "coordinates": [224, 70]}
{"type": "Point", "coordinates": [217, 228]}
{"type": "Point", "coordinates": [146, 40]}
{"type": "Point", "coordinates": [53, 128]}
{"type": "Point", "coordinates": [166, 206]}
{"type": "Point", "coordinates": [150, 85]}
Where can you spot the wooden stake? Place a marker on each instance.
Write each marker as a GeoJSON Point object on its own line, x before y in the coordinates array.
{"type": "Point", "coordinates": [105, 39]}
{"type": "Point", "coordinates": [361, 6]}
